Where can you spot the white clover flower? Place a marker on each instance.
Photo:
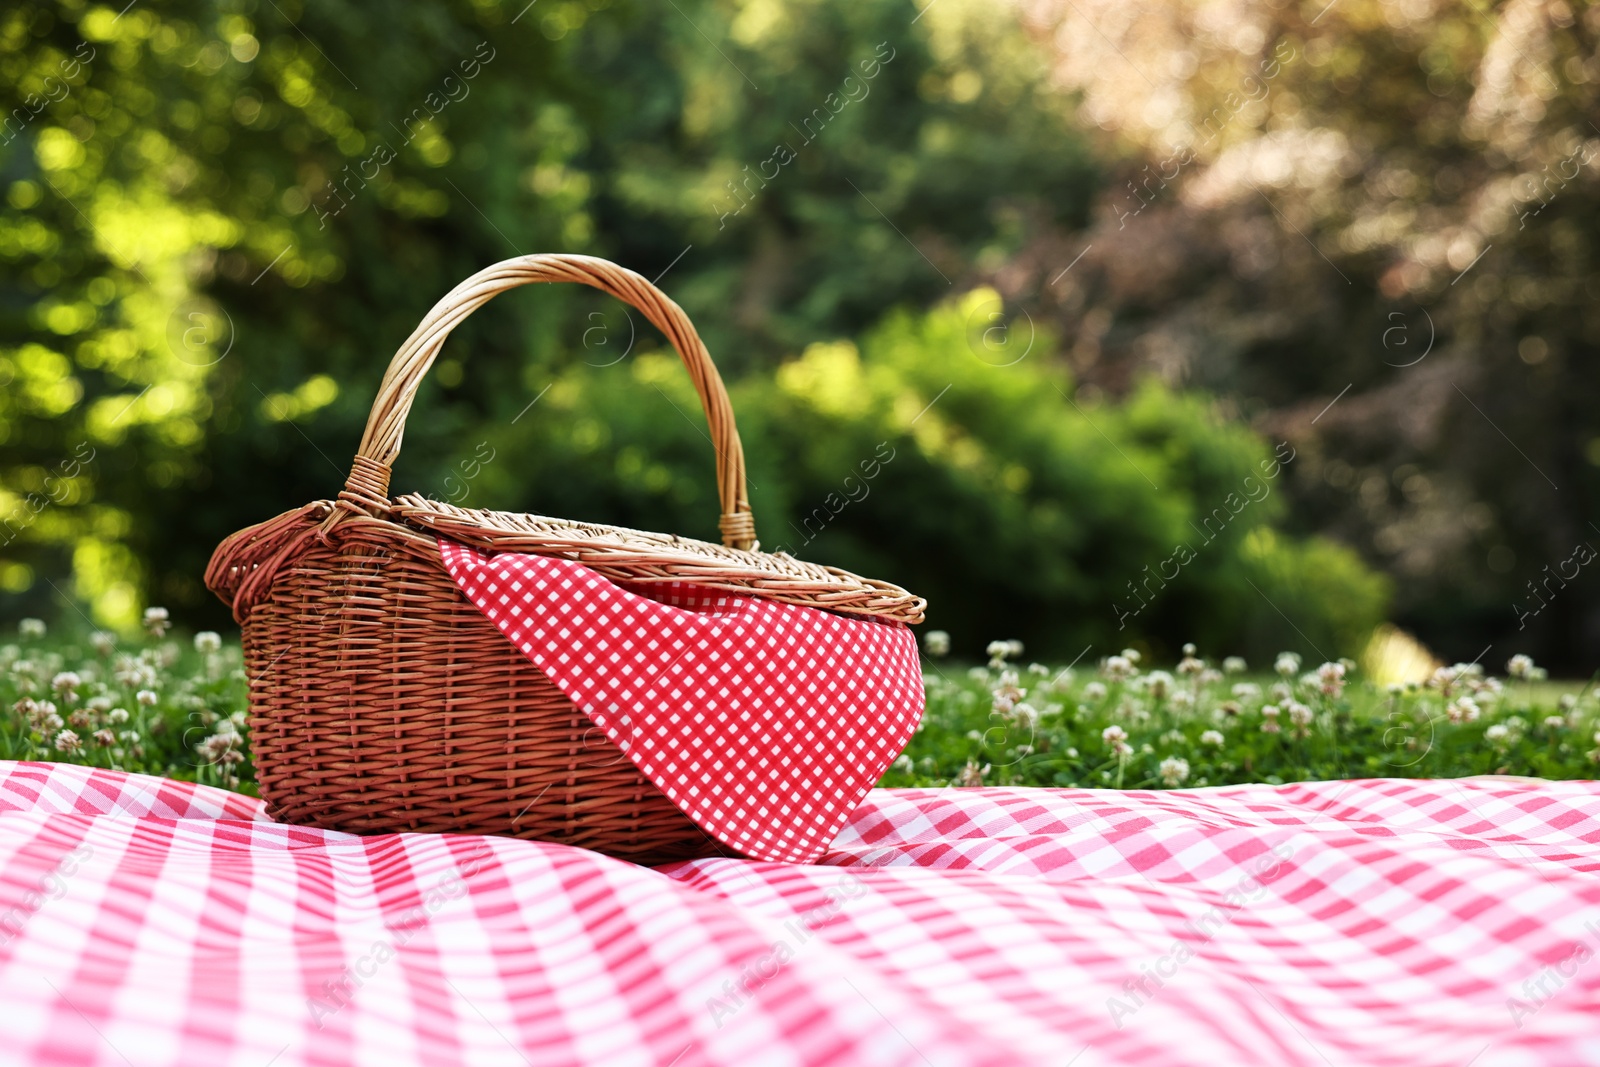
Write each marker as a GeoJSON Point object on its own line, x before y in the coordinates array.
{"type": "Point", "coordinates": [1330, 678]}
{"type": "Point", "coordinates": [1567, 702]}
{"type": "Point", "coordinates": [1094, 691]}
{"type": "Point", "coordinates": [1007, 691]}
{"type": "Point", "coordinates": [1189, 649]}
{"type": "Point", "coordinates": [147, 697]}
{"type": "Point", "coordinates": [936, 643]}
{"type": "Point", "coordinates": [1025, 714]}
{"type": "Point", "coordinates": [1269, 717]}
{"type": "Point", "coordinates": [1520, 666]}
{"type": "Point", "coordinates": [138, 676]}
{"type": "Point", "coordinates": [1213, 738]}
{"type": "Point", "coordinates": [1247, 690]}
{"type": "Point", "coordinates": [213, 747]}
{"type": "Point", "coordinates": [1158, 684]}
{"type": "Point", "coordinates": [1462, 709]}
{"type": "Point", "coordinates": [117, 716]}
{"type": "Point", "coordinates": [1299, 714]}
{"type": "Point", "coordinates": [903, 764]}
{"type": "Point", "coordinates": [1131, 655]}
{"type": "Point", "coordinates": [1014, 649]}
{"type": "Point", "coordinates": [1496, 734]}
{"type": "Point", "coordinates": [1174, 771]}
{"type": "Point", "coordinates": [1555, 722]}
{"type": "Point", "coordinates": [66, 682]}
{"type": "Point", "coordinates": [978, 674]}
{"type": "Point", "coordinates": [1234, 665]}
{"type": "Point", "coordinates": [1061, 681]}
{"type": "Point", "coordinates": [105, 738]}
{"type": "Point", "coordinates": [67, 741]}
{"type": "Point", "coordinates": [1288, 663]}
{"type": "Point", "coordinates": [972, 775]}
{"type": "Point", "coordinates": [207, 641]}
{"type": "Point", "coordinates": [31, 629]}
{"type": "Point", "coordinates": [1072, 753]}
{"type": "Point", "coordinates": [156, 620]}
{"type": "Point", "coordinates": [1189, 666]}
{"type": "Point", "coordinates": [130, 737]}
{"type": "Point", "coordinates": [1182, 700]}
{"type": "Point", "coordinates": [1282, 691]}
{"type": "Point", "coordinates": [1118, 668]}
{"type": "Point", "coordinates": [1112, 735]}
{"type": "Point", "coordinates": [1040, 669]}
{"type": "Point", "coordinates": [103, 642]}
{"type": "Point", "coordinates": [1210, 676]}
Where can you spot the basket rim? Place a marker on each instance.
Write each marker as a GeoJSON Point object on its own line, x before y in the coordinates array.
{"type": "Point", "coordinates": [242, 566]}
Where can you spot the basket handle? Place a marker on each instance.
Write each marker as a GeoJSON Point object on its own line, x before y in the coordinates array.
{"type": "Point", "coordinates": [367, 488]}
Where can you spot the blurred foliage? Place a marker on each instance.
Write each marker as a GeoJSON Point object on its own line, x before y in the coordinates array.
{"type": "Point", "coordinates": [1391, 204]}
{"type": "Point", "coordinates": [977, 482]}
{"type": "Point", "coordinates": [221, 217]}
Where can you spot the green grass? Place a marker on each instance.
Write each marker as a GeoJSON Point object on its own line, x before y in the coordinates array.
{"type": "Point", "coordinates": [187, 724]}
{"type": "Point", "coordinates": [1005, 724]}
{"type": "Point", "coordinates": [162, 706]}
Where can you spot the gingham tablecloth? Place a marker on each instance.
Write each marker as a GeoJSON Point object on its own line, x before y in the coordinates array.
{"type": "Point", "coordinates": [147, 922]}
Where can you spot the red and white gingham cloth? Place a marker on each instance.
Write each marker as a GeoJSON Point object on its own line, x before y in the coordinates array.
{"type": "Point", "coordinates": [766, 723]}
{"type": "Point", "coordinates": [146, 922]}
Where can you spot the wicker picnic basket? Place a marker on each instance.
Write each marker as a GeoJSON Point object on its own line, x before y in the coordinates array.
{"type": "Point", "coordinates": [382, 700]}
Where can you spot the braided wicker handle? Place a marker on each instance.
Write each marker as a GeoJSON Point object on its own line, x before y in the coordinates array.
{"type": "Point", "coordinates": [367, 488]}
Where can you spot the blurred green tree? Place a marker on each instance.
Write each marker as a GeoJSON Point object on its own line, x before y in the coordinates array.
{"type": "Point", "coordinates": [220, 217]}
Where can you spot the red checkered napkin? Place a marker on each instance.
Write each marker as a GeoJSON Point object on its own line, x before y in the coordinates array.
{"type": "Point", "coordinates": [766, 723]}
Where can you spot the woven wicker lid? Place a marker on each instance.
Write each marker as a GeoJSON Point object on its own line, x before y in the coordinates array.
{"type": "Point", "coordinates": [633, 556]}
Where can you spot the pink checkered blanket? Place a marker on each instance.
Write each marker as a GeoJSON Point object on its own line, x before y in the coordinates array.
{"type": "Point", "coordinates": [147, 922]}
